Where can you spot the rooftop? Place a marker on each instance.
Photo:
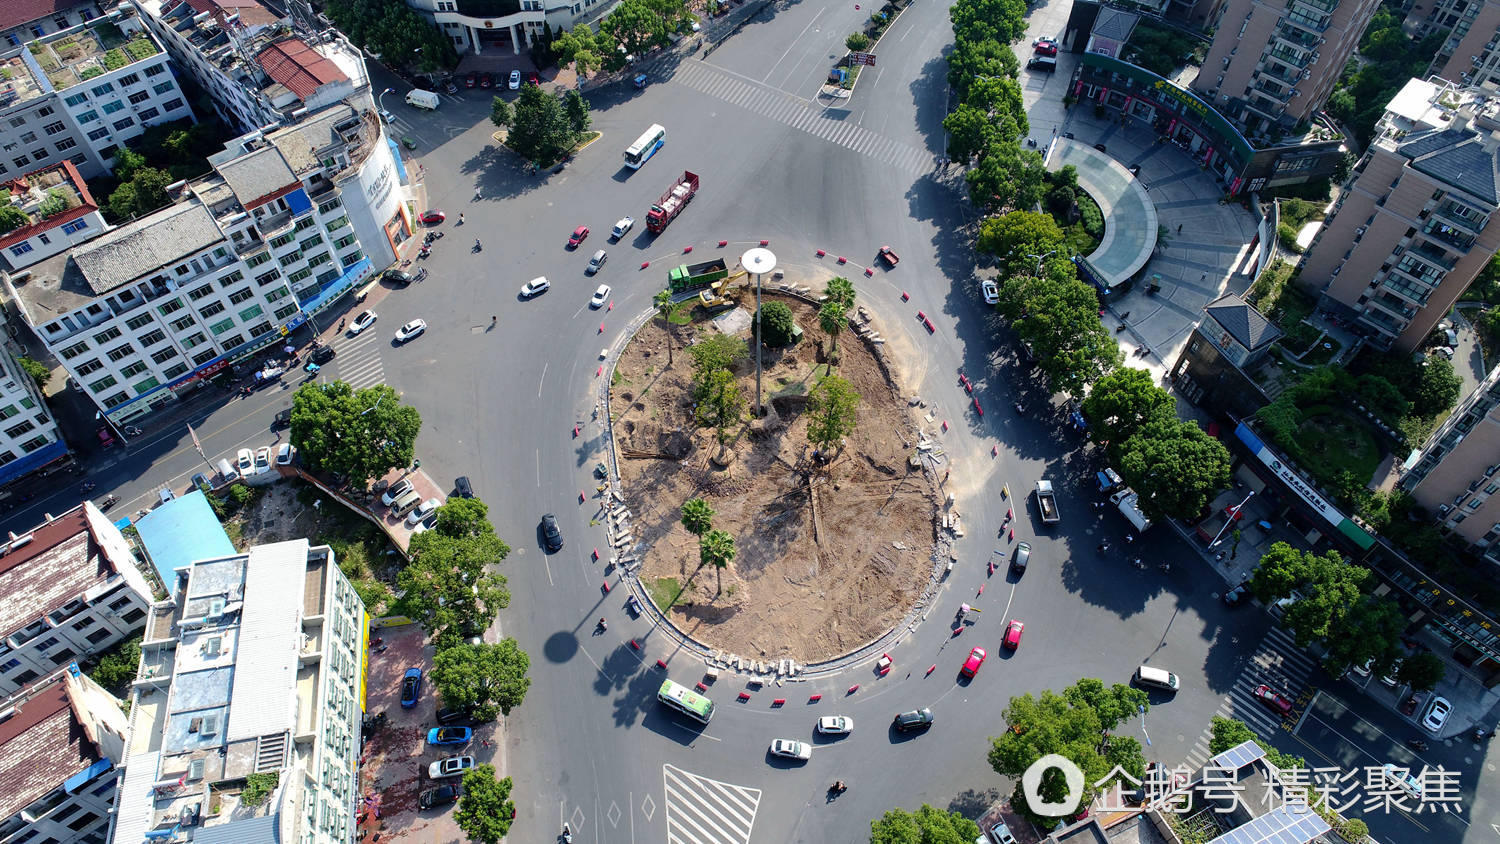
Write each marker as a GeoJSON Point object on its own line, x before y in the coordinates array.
{"type": "Point", "coordinates": [181, 531]}
{"type": "Point", "coordinates": [1248, 327]}
{"type": "Point", "coordinates": [299, 67]}
{"type": "Point", "coordinates": [145, 245]}
{"type": "Point", "coordinates": [48, 198]}
{"type": "Point", "coordinates": [41, 745]}
{"type": "Point", "coordinates": [250, 12]}
{"type": "Point", "coordinates": [258, 176]}
{"type": "Point", "coordinates": [79, 54]}
{"type": "Point", "coordinates": [1459, 157]}
{"type": "Point", "coordinates": [17, 12]}
{"type": "Point", "coordinates": [17, 84]}
{"type": "Point", "coordinates": [46, 568]}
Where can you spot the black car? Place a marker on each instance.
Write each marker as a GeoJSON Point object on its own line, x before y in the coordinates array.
{"type": "Point", "coordinates": [452, 716]}
{"type": "Point", "coordinates": [462, 486]}
{"type": "Point", "coordinates": [443, 795]}
{"type": "Point", "coordinates": [1238, 595]}
{"type": "Point", "coordinates": [1020, 558]}
{"type": "Point", "coordinates": [400, 277]}
{"type": "Point", "coordinates": [323, 354]}
{"type": "Point", "coordinates": [551, 533]}
{"type": "Point", "coordinates": [283, 419]}
{"type": "Point", "coordinates": [917, 719]}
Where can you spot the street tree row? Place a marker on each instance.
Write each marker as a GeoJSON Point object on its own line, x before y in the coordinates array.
{"type": "Point", "coordinates": [632, 29]}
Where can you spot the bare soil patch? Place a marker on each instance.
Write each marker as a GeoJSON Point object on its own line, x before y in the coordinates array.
{"type": "Point", "coordinates": [829, 555]}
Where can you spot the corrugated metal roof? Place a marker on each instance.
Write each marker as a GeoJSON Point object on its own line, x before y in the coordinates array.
{"type": "Point", "coordinates": [262, 830]}
{"type": "Point", "coordinates": [263, 699]}
{"type": "Point", "coordinates": [148, 244]}
{"type": "Point", "coordinates": [40, 747]}
{"type": "Point", "coordinates": [299, 67]}
{"type": "Point", "coordinates": [61, 562]}
{"type": "Point", "coordinates": [135, 802]}
{"type": "Point", "coordinates": [181, 531]}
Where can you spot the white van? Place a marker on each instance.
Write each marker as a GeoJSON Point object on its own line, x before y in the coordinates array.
{"type": "Point", "coordinates": [422, 99]}
{"type": "Point", "coordinates": [403, 505]}
{"type": "Point", "coordinates": [1158, 677]}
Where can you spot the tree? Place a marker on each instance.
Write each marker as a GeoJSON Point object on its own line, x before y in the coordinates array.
{"type": "Point", "coordinates": [577, 109]}
{"type": "Point", "coordinates": [259, 787]}
{"type": "Point", "coordinates": [1228, 732]}
{"type": "Point", "coordinates": [971, 60]}
{"type": "Point", "coordinates": [462, 518]}
{"type": "Point", "coordinates": [1122, 402]}
{"type": "Point", "coordinates": [127, 162]}
{"type": "Point", "coordinates": [1176, 468]}
{"type": "Point", "coordinates": [393, 32]}
{"type": "Point", "coordinates": [662, 301]}
{"type": "Point", "coordinates": [926, 825]}
{"type": "Point", "coordinates": [482, 679]}
{"type": "Point", "coordinates": [1370, 630]}
{"type": "Point", "coordinates": [1422, 672]}
{"type": "Point", "coordinates": [1006, 177]}
{"type": "Point", "coordinates": [1437, 388]}
{"type": "Point", "coordinates": [584, 48]}
{"type": "Point", "coordinates": [1001, 21]}
{"type": "Point", "coordinates": [840, 290]}
{"type": "Point", "coordinates": [970, 132]}
{"type": "Point", "coordinates": [37, 370]}
{"type": "Point", "coordinates": [1329, 588]}
{"type": "Point", "coordinates": [778, 324]}
{"type": "Point", "coordinates": [831, 318]}
{"type": "Point", "coordinates": [716, 548]}
{"type": "Point", "coordinates": [636, 26]}
{"type": "Point", "coordinates": [1073, 725]}
{"type": "Point", "coordinates": [1058, 318]}
{"type": "Point", "coordinates": [485, 811]}
{"type": "Point", "coordinates": [720, 402]}
{"type": "Point", "coordinates": [1017, 236]}
{"type": "Point", "coordinates": [360, 435]}
{"type": "Point", "coordinates": [501, 114]}
{"type": "Point", "coordinates": [143, 193]}
{"type": "Point", "coordinates": [697, 516]}
{"type": "Point", "coordinates": [447, 587]}
{"type": "Point", "coordinates": [12, 218]}
{"type": "Point", "coordinates": [118, 666]}
{"type": "Point", "coordinates": [832, 410]}
{"type": "Point", "coordinates": [718, 351]}
{"type": "Point", "coordinates": [857, 42]}
{"type": "Point", "coordinates": [540, 130]}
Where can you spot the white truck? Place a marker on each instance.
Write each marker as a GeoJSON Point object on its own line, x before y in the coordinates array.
{"type": "Point", "coordinates": [1129, 505]}
{"type": "Point", "coordinates": [1046, 501]}
{"type": "Point", "coordinates": [422, 99]}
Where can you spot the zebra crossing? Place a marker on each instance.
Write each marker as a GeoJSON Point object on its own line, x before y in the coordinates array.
{"type": "Point", "coordinates": [793, 111]}
{"type": "Point", "coordinates": [1278, 663]}
{"type": "Point", "coordinates": [705, 811]}
{"type": "Point", "coordinates": [358, 360]}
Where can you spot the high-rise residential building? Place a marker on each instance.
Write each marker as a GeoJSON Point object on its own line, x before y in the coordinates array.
{"type": "Point", "coordinates": [260, 69]}
{"type": "Point", "coordinates": [69, 587]}
{"type": "Point", "coordinates": [252, 666]}
{"type": "Point", "coordinates": [29, 437]}
{"type": "Point", "coordinates": [24, 20]}
{"type": "Point", "coordinates": [1416, 221]}
{"type": "Point", "coordinates": [1273, 63]}
{"type": "Point", "coordinates": [1471, 34]}
{"type": "Point", "coordinates": [1456, 473]}
{"type": "Point", "coordinates": [80, 94]}
{"type": "Point", "coordinates": [288, 222]}
{"type": "Point", "coordinates": [60, 740]}
{"type": "Point", "coordinates": [480, 28]}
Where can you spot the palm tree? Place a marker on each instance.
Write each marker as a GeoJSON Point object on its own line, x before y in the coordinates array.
{"type": "Point", "coordinates": [697, 516]}
{"type": "Point", "coordinates": [831, 318]}
{"type": "Point", "coordinates": [716, 548]}
{"type": "Point", "coordinates": [840, 290]}
{"type": "Point", "coordinates": [663, 303]}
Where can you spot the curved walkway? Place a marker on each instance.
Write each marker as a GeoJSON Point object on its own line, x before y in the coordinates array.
{"type": "Point", "coordinates": [1130, 223]}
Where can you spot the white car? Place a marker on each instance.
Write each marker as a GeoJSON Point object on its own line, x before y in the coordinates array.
{"type": "Point", "coordinates": [284, 454]}
{"type": "Point", "coordinates": [998, 834]}
{"type": "Point", "coordinates": [423, 510]}
{"type": "Point", "coordinates": [1437, 714]}
{"type": "Point", "coordinates": [387, 117]}
{"type": "Point", "coordinates": [535, 286]}
{"type": "Point", "coordinates": [1403, 779]}
{"type": "Point", "coordinates": [600, 297]}
{"type": "Point", "coordinates": [835, 725]}
{"type": "Point", "coordinates": [1362, 671]}
{"type": "Point", "coordinates": [245, 462]}
{"type": "Point", "coordinates": [791, 749]}
{"type": "Point", "coordinates": [453, 766]}
{"type": "Point", "coordinates": [410, 330]}
{"type": "Point", "coordinates": [165, 494]}
{"type": "Point", "coordinates": [622, 227]}
{"type": "Point", "coordinates": [262, 459]}
{"type": "Point", "coordinates": [398, 489]}
{"type": "Point", "coordinates": [991, 291]}
{"type": "Point", "coordinates": [361, 322]}
{"type": "Point", "coordinates": [515, 80]}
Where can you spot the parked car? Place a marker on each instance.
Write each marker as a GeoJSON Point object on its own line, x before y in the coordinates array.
{"type": "Point", "coordinates": [596, 262]}
{"type": "Point", "coordinates": [1238, 595]}
{"type": "Point", "coordinates": [1437, 714]}
{"type": "Point", "coordinates": [622, 227]}
{"type": "Point", "coordinates": [201, 482]}
{"type": "Point", "coordinates": [1013, 633]}
{"type": "Point", "coordinates": [450, 87]}
{"type": "Point", "coordinates": [1389, 677]}
{"type": "Point", "coordinates": [1274, 700]}
{"type": "Point", "coordinates": [285, 454]}
{"type": "Point", "coordinates": [917, 719]}
{"type": "Point", "coordinates": [486, 80]}
{"type": "Point", "coordinates": [396, 490]}
{"type": "Point", "coordinates": [552, 533]}
{"type": "Point", "coordinates": [1045, 49]}
{"type": "Point", "coordinates": [533, 78]}
{"type": "Point", "coordinates": [443, 795]}
{"type": "Point", "coordinates": [165, 494]}
{"type": "Point", "coordinates": [262, 459]}
{"type": "Point", "coordinates": [991, 291]}
{"type": "Point", "coordinates": [515, 80]}
{"type": "Point", "coordinates": [411, 688]}
{"type": "Point", "coordinates": [449, 735]}
{"type": "Point", "coordinates": [245, 460]}
{"type": "Point", "coordinates": [320, 356]}
{"type": "Point", "coordinates": [283, 419]}
{"type": "Point", "coordinates": [1000, 834]}
{"type": "Point", "coordinates": [1363, 671]}
{"type": "Point", "coordinates": [462, 488]}
{"type": "Point", "coordinates": [971, 665]}
{"type": "Point", "coordinates": [433, 217]}
{"type": "Point", "coordinates": [600, 297]}
{"type": "Point", "coordinates": [421, 512]}
{"type": "Point", "coordinates": [578, 236]}
{"type": "Point", "coordinates": [471, 79]}
{"type": "Point", "coordinates": [453, 766]}
{"type": "Point", "coordinates": [1020, 557]}
{"type": "Point", "coordinates": [791, 749]}
{"type": "Point", "coordinates": [835, 725]}
{"type": "Point", "coordinates": [452, 716]}
{"type": "Point", "coordinates": [400, 278]}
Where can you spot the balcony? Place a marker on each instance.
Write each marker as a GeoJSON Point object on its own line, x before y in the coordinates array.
{"type": "Point", "coordinates": [1388, 314]}
{"type": "Point", "coordinates": [1313, 25]}
{"type": "Point", "coordinates": [1448, 236]}
{"type": "Point", "coordinates": [274, 224]}
{"type": "Point", "coordinates": [1434, 254]}
{"type": "Point", "coordinates": [1448, 215]}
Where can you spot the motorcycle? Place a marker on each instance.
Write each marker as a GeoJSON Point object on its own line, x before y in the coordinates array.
{"type": "Point", "coordinates": [838, 787]}
{"type": "Point", "coordinates": [424, 252]}
{"type": "Point", "coordinates": [1416, 744]}
{"type": "Point", "coordinates": [108, 502]}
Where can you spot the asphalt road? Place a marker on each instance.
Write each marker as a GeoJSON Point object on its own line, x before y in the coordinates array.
{"type": "Point", "coordinates": [590, 746]}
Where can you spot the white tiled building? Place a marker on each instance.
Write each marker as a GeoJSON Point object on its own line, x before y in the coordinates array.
{"type": "Point", "coordinates": [23, 20]}
{"type": "Point", "coordinates": [80, 94]}
{"type": "Point", "coordinates": [513, 31]}
{"type": "Point", "coordinates": [59, 742]}
{"type": "Point", "coordinates": [148, 309]}
{"type": "Point", "coordinates": [68, 588]}
{"type": "Point", "coordinates": [253, 666]}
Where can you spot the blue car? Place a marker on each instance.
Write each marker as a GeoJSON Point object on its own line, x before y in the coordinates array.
{"type": "Point", "coordinates": [449, 735]}
{"type": "Point", "coordinates": [411, 687]}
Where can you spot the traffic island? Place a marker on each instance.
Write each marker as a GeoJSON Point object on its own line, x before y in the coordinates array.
{"type": "Point", "coordinates": [832, 550]}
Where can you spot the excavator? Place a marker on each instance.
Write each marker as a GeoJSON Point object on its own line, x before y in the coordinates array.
{"type": "Point", "coordinates": [719, 295]}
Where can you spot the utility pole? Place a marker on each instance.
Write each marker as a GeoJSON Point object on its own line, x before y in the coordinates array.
{"type": "Point", "coordinates": [759, 261]}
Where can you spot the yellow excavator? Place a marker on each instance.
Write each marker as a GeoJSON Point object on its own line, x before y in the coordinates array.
{"type": "Point", "coordinates": [719, 294]}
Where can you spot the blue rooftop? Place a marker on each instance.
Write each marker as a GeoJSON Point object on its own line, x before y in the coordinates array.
{"type": "Point", "coordinates": [181, 531]}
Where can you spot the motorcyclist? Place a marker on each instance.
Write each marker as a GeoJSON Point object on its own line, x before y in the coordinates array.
{"type": "Point", "coordinates": [603, 625]}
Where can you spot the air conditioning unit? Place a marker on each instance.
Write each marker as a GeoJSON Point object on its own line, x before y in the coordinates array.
{"type": "Point", "coordinates": [210, 725]}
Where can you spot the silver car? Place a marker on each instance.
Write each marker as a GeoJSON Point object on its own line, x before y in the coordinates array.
{"type": "Point", "coordinates": [791, 749]}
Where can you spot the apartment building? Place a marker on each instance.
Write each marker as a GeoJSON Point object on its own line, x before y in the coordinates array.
{"type": "Point", "coordinates": [24, 20]}
{"type": "Point", "coordinates": [29, 436]}
{"type": "Point", "coordinates": [260, 69]}
{"type": "Point", "coordinates": [1456, 473]}
{"type": "Point", "coordinates": [473, 32]}
{"type": "Point", "coordinates": [1471, 33]}
{"type": "Point", "coordinates": [69, 587]}
{"type": "Point", "coordinates": [59, 742]}
{"type": "Point", "coordinates": [1415, 223]}
{"type": "Point", "coordinates": [80, 94]}
{"type": "Point", "coordinates": [252, 666]}
{"type": "Point", "coordinates": [1273, 63]}
{"type": "Point", "coordinates": [144, 312]}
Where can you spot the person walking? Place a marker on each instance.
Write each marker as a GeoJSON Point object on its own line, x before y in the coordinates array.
{"type": "Point", "coordinates": [461, 220]}
{"type": "Point", "coordinates": [478, 195]}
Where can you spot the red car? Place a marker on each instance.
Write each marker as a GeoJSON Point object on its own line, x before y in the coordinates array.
{"type": "Point", "coordinates": [1277, 701]}
{"type": "Point", "coordinates": [578, 236]}
{"type": "Point", "coordinates": [471, 79]}
{"type": "Point", "coordinates": [433, 217]}
{"type": "Point", "coordinates": [533, 78]}
{"type": "Point", "coordinates": [1013, 633]}
{"type": "Point", "coordinates": [486, 80]}
{"type": "Point", "coordinates": [1046, 48]}
{"type": "Point", "coordinates": [971, 665]}
{"type": "Point", "coordinates": [889, 256]}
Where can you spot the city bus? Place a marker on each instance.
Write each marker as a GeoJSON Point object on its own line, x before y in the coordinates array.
{"type": "Point", "coordinates": [645, 146]}
{"type": "Point", "coordinates": [686, 701]}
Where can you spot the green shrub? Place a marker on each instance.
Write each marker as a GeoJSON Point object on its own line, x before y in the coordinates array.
{"type": "Point", "coordinates": [778, 324]}
{"type": "Point", "coordinates": [258, 787]}
{"type": "Point", "coordinates": [117, 666]}
{"type": "Point", "coordinates": [90, 73]}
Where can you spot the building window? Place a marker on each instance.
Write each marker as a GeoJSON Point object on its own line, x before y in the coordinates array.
{"type": "Point", "coordinates": [175, 370]}
{"type": "Point", "coordinates": [168, 307]}
{"type": "Point", "coordinates": [310, 242]}
{"type": "Point", "coordinates": [17, 430]}
{"type": "Point", "coordinates": [172, 104]}
{"type": "Point", "coordinates": [232, 341]}
{"type": "Point", "coordinates": [98, 134]}
{"type": "Point", "coordinates": [251, 313]}
{"type": "Point", "coordinates": [146, 386]}
{"type": "Point", "coordinates": [8, 411]}
{"type": "Point", "coordinates": [88, 116]}
{"type": "Point", "coordinates": [13, 39]}
{"type": "Point", "coordinates": [221, 326]}
{"type": "Point", "coordinates": [78, 159]}
{"type": "Point", "coordinates": [289, 259]}
{"type": "Point", "coordinates": [231, 279]}
{"type": "Point", "coordinates": [34, 443]}
{"type": "Point", "coordinates": [28, 137]}
{"type": "Point", "coordinates": [20, 249]}
{"type": "Point", "coordinates": [112, 106]}
{"type": "Point", "coordinates": [129, 79]}
{"type": "Point", "coordinates": [162, 87]}
{"type": "Point", "coordinates": [55, 128]}
{"type": "Point", "coordinates": [74, 350]}
{"type": "Point", "coordinates": [138, 97]}
{"type": "Point", "coordinates": [260, 329]}
{"type": "Point", "coordinates": [266, 278]}
{"type": "Point", "coordinates": [195, 340]}
{"type": "Point", "coordinates": [164, 355]}
{"type": "Point", "coordinates": [107, 335]}
{"type": "Point", "coordinates": [121, 353]}
{"type": "Point", "coordinates": [257, 259]}
{"type": "Point", "coordinates": [285, 312]}
{"type": "Point", "coordinates": [343, 241]}
{"type": "Point", "coordinates": [21, 161]}
{"type": "Point", "coordinates": [117, 399]}
{"type": "Point", "coordinates": [330, 205]}
{"type": "Point", "coordinates": [77, 99]}
{"type": "Point", "coordinates": [281, 240]}
{"type": "Point", "coordinates": [295, 278]}
{"type": "Point", "coordinates": [122, 125]}
{"type": "Point", "coordinates": [134, 369]}
{"type": "Point", "coordinates": [239, 296]}
{"type": "Point", "coordinates": [102, 89]}
{"type": "Point", "coordinates": [201, 292]}
{"type": "Point", "coordinates": [156, 69]}
{"type": "Point", "coordinates": [65, 144]}
{"type": "Point", "coordinates": [204, 357]}
{"type": "Point", "coordinates": [352, 258]}
{"type": "Point", "coordinates": [88, 367]}
{"type": "Point", "coordinates": [136, 323]}
{"type": "Point", "coordinates": [74, 226]}
{"type": "Point", "coordinates": [149, 114]}
{"type": "Point", "coordinates": [212, 309]}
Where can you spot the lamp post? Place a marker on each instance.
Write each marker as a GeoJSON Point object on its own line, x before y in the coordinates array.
{"type": "Point", "coordinates": [759, 261]}
{"type": "Point", "coordinates": [380, 100]}
{"type": "Point", "coordinates": [1039, 259]}
{"type": "Point", "coordinates": [1234, 516]}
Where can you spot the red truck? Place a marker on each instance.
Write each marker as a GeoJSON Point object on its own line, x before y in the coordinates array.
{"type": "Point", "coordinates": [672, 202]}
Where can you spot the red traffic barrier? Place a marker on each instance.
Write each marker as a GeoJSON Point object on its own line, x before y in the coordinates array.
{"type": "Point", "coordinates": [994, 451]}
{"type": "Point", "coordinates": [905, 297]}
{"type": "Point", "coordinates": [852, 689]}
{"type": "Point", "coordinates": [843, 260]}
{"type": "Point", "coordinates": [930, 328]}
{"type": "Point", "coordinates": [744, 696]}
{"type": "Point", "coordinates": [958, 630]}
{"type": "Point", "coordinates": [661, 663]}
{"type": "Point", "coordinates": [596, 554]}
{"type": "Point", "coordinates": [635, 644]}
{"type": "Point", "coordinates": [1009, 511]}
{"type": "Point", "coordinates": [605, 584]}
{"type": "Point", "coordinates": [581, 497]}
{"type": "Point", "coordinates": [686, 249]}
{"type": "Point", "coordinates": [765, 243]}
{"type": "Point", "coordinates": [977, 408]}
{"type": "Point", "coordinates": [821, 253]}
{"type": "Point", "coordinates": [931, 668]}
{"type": "Point", "coordinates": [1012, 534]}
{"type": "Point", "coordinates": [645, 264]}
{"type": "Point", "coordinates": [869, 272]}
{"type": "Point", "coordinates": [723, 243]}
{"type": "Point", "coordinates": [600, 373]}
{"type": "Point", "coordinates": [945, 426]}
{"type": "Point", "coordinates": [700, 687]}
{"type": "Point", "coordinates": [611, 305]}
{"type": "Point", "coordinates": [781, 701]}
{"type": "Point", "coordinates": [991, 569]}
{"type": "Point", "coordinates": [981, 588]}
{"type": "Point", "coordinates": [814, 698]}
{"type": "Point", "coordinates": [922, 315]}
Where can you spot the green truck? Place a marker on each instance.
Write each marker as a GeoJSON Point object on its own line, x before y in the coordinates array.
{"type": "Point", "coordinates": [693, 276]}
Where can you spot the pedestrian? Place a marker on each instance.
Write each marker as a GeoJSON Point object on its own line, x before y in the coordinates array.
{"type": "Point", "coordinates": [1203, 277]}
{"type": "Point", "coordinates": [461, 220]}
{"type": "Point", "coordinates": [945, 475]}
{"type": "Point", "coordinates": [494, 319]}
{"type": "Point", "coordinates": [1179, 225]}
{"type": "Point", "coordinates": [1219, 557]}
{"type": "Point", "coordinates": [478, 195]}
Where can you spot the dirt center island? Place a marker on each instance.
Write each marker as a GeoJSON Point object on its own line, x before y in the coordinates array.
{"type": "Point", "coordinates": [832, 548]}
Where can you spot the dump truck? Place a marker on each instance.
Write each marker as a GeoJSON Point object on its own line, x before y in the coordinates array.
{"type": "Point", "coordinates": [672, 202]}
{"type": "Point", "coordinates": [693, 276]}
{"type": "Point", "coordinates": [1129, 505]}
{"type": "Point", "coordinates": [1046, 501]}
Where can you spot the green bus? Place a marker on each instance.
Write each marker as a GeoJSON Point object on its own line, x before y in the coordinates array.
{"type": "Point", "coordinates": [686, 701]}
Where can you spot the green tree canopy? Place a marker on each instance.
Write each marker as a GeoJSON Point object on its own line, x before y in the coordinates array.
{"type": "Point", "coordinates": [358, 434]}
{"type": "Point", "coordinates": [1015, 237]}
{"type": "Point", "coordinates": [716, 548]}
{"type": "Point", "coordinates": [482, 680]}
{"type": "Point", "coordinates": [1437, 388]}
{"type": "Point", "coordinates": [1122, 402]}
{"type": "Point", "coordinates": [37, 370]}
{"type": "Point", "coordinates": [1000, 21]}
{"type": "Point", "coordinates": [778, 324]}
{"type": "Point", "coordinates": [464, 517]}
{"type": "Point", "coordinates": [1370, 630]}
{"type": "Point", "coordinates": [1329, 589]}
{"type": "Point", "coordinates": [485, 811]}
{"type": "Point", "coordinates": [1060, 322]}
{"type": "Point", "coordinates": [639, 25]}
{"type": "Point", "coordinates": [448, 589]}
{"type": "Point", "coordinates": [970, 131]}
{"type": "Point", "coordinates": [832, 317]}
{"type": "Point", "coordinates": [540, 130]}
{"type": "Point", "coordinates": [718, 351]}
{"type": "Point", "coordinates": [720, 403]}
{"type": "Point", "coordinates": [501, 114]}
{"type": "Point", "coordinates": [857, 41]}
{"type": "Point", "coordinates": [926, 825]}
{"type": "Point", "coordinates": [12, 218]}
{"type": "Point", "coordinates": [143, 193]}
{"type": "Point", "coordinates": [1176, 468]}
{"type": "Point", "coordinates": [832, 412]}
{"type": "Point", "coordinates": [841, 290]}
{"type": "Point", "coordinates": [577, 109]}
{"type": "Point", "coordinates": [970, 61]}
{"type": "Point", "coordinates": [584, 48]}
{"type": "Point", "coordinates": [394, 32]}
{"type": "Point", "coordinates": [697, 516]}
{"type": "Point", "coordinates": [1422, 671]}
{"type": "Point", "coordinates": [1007, 177]}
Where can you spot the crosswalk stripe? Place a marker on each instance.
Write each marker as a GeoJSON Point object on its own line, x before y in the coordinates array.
{"type": "Point", "coordinates": [700, 810]}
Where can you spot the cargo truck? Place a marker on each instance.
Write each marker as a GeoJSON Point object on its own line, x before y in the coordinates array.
{"type": "Point", "coordinates": [672, 202]}
{"type": "Point", "coordinates": [693, 276]}
{"type": "Point", "coordinates": [1129, 505]}
{"type": "Point", "coordinates": [1046, 501]}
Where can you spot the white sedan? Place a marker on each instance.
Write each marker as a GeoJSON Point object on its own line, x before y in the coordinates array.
{"type": "Point", "coordinates": [410, 330]}
{"type": "Point", "coordinates": [453, 766]}
{"type": "Point", "coordinates": [262, 459]}
{"type": "Point", "coordinates": [835, 725]}
{"type": "Point", "coordinates": [361, 322]}
{"type": "Point", "coordinates": [991, 291]}
{"type": "Point", "coordinates": [245, 462]}
{"type": "Point", "coordinates": [791, 749]}
{"type": "Point", "coordinates": [1437, 714]}
{"type": "Point", "coordinates": [535, 286]}
{"type": "Point", "coordinates": [600, 297]}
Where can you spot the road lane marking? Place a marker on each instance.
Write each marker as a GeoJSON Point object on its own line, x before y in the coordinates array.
{"type": "Point", "coordinates": [791, 45]}
{"type": "Point", "coordinates": [700, 810]}
{"type": "Point", "coordinates": [542, 380]}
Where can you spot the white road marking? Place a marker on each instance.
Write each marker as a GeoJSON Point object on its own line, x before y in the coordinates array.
{"type": "Point", "coordinates": [706, 811]}
{"type": "Point", "coordinates": [793, 44]}
{"type": "Point", "coordinates": [542, 380]}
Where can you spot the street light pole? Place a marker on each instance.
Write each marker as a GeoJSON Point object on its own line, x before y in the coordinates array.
{"type": "Point", "coordinates": [1039, 259]}
{"type": "Point", "coordinates": [380, 100]}
{"type": "Point", "coordinates": [759, 261]}
{"type": "Point", "coordinates": [1234, 515]}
